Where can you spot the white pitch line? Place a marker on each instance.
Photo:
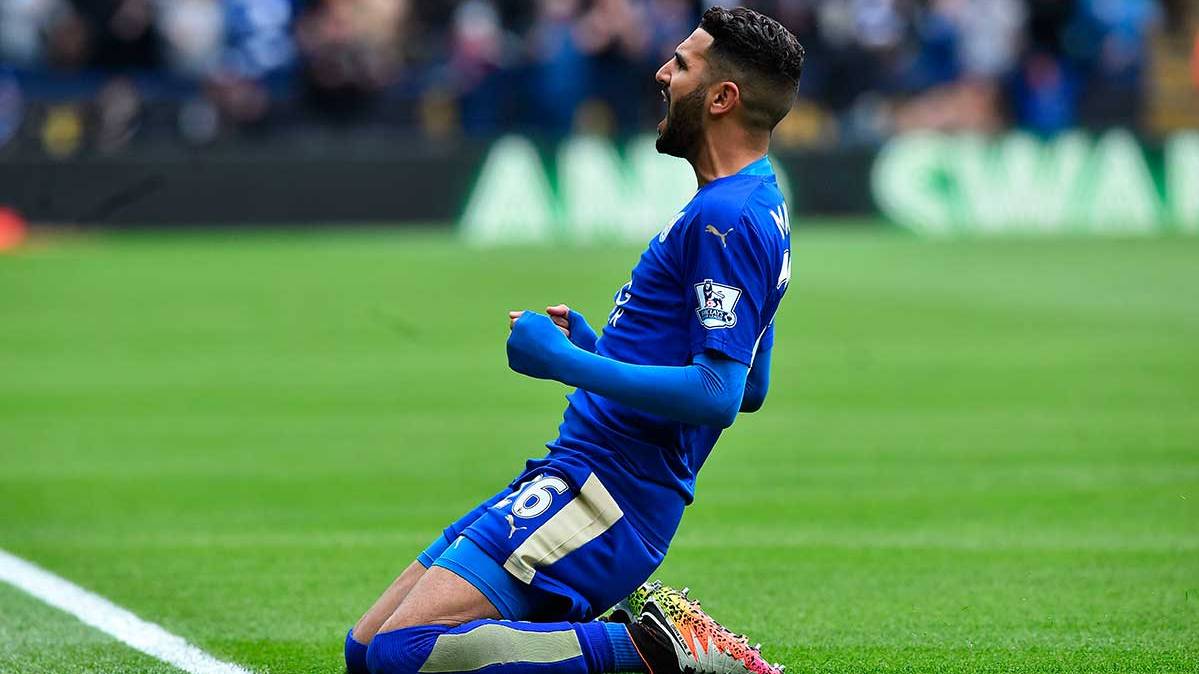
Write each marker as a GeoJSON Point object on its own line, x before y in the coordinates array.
{"type": "Point", "coordinates": [109, 618]}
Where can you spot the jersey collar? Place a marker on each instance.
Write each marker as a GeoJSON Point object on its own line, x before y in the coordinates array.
{"type": "Point", "coordinates": [761, 167]}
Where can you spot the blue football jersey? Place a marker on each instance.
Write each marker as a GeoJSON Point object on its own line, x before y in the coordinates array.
{"type": "Point", "coordinates": [711, 281]}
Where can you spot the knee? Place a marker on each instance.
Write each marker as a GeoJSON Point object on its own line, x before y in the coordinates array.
{"type": "Point", "coordinates": [355, 656]}
{"type": "Point", "coordinates": [401, 651]}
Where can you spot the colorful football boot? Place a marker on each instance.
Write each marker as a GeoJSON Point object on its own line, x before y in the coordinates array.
{"type": "Point", "coordinates": [700, 644]}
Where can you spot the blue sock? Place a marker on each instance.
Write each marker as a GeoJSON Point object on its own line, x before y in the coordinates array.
{"type": "Point", "coordinates": [627, 657]}
{"type": "Point", "coordinates": [355, 656]}
{"type": "Point", "coordinates": [503, 647]}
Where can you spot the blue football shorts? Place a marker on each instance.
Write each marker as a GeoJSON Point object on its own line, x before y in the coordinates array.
{"type": "Point", "coordinates": [554, 545]}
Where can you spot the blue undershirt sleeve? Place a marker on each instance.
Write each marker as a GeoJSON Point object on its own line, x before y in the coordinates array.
{"type": "Point", "coordinates": [582, 334]}
{"type": "Point", "coordinates": [707, 392]}
{"type": "Point", "coordinates": [758, 381]}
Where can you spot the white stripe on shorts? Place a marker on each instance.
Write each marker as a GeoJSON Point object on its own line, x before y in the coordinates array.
{"type": "Point", "coordinates": [579, 522]}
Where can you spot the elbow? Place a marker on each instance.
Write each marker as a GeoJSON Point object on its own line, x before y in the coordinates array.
{"type": "Point", "coordinates": [724, 413]}
{"type": "Point", "coordinates": [722, 402]}
{"type": "Point", "coordinates": [716, 413]}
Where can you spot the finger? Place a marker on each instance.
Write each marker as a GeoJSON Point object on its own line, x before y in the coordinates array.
{"type": "Point", "coordinates": [561, 321]}
{"type": "Point", "coordinates": [564, 331]}
{"type": "Point", "coordinates": [558, 310]}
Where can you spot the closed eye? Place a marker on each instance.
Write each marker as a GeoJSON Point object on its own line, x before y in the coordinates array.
{"type": "Point", "coordinates": [682, 63]}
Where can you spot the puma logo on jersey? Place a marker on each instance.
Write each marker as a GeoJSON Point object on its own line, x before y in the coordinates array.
{"type": "Point", "coordinates": [722, 236]}
{"type": "Point", "coordinates": [512, 525]}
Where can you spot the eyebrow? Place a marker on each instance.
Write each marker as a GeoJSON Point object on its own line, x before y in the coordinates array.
{"type": "Point", "coordinates": [682, 62]}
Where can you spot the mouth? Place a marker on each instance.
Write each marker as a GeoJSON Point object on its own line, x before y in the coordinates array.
{"type": "Point", "coordinates": [666, 114]}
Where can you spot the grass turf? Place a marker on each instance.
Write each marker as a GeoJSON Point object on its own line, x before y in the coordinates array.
{"type": "Point", "coordinates": [976, 456]}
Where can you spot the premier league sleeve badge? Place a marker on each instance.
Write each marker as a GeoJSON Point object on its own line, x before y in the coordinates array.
{"type": "Point", "coordinates": [716, 304]}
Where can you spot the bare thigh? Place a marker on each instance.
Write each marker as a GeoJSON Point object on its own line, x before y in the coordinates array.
{"type": "Point", "coordinates": [441, 597]}
{"type": "Point", "coordinates": [368, 626]}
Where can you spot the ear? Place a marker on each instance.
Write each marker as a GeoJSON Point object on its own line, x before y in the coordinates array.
{"type": "Point", "coordinates": [727, 96]}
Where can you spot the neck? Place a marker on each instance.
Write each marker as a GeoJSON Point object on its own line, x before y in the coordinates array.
{"type": "Point", "coordinates": [726, 151]}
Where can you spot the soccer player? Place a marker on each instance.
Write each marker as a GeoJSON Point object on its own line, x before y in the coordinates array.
{"type": "Point", "coordinates": [515, 586]}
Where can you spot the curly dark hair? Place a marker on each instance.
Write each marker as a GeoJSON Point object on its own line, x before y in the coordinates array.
{"type": "Point", "coordinates": [761, 56]}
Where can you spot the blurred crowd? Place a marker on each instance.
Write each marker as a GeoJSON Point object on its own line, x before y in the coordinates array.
{"type": "Point", "coordinates": [104, 73]}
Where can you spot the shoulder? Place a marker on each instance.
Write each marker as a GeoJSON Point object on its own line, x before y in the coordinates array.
{"type": "Point", "coordinates": [750, 204]}
{"type": "Point", "coordinates": [728, 200]}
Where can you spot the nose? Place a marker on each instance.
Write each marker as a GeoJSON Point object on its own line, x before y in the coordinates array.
{"type": "Point", "coordinates": [662, 77]}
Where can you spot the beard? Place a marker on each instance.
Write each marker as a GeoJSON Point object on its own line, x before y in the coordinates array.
{"type": "Point", "coordinates": [684, 125]}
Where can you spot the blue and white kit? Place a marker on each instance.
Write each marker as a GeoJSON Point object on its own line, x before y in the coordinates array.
{"type": "Point", "coordinates": [584, 526]}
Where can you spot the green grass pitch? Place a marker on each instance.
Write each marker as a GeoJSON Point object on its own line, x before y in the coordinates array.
{"type": "Point", "coordinates": [976, 456]}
